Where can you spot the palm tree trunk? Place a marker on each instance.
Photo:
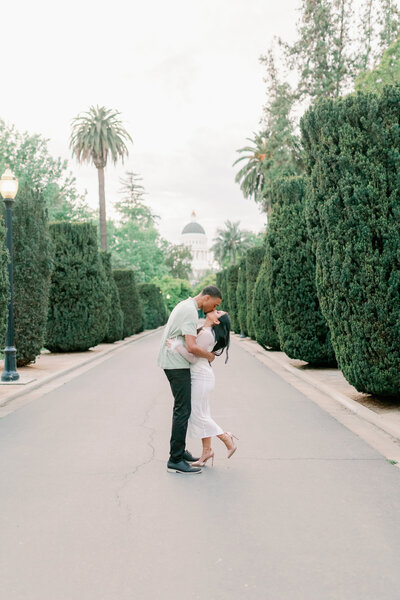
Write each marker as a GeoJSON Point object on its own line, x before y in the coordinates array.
{"type": "Point", "coordinates": [102, 211]}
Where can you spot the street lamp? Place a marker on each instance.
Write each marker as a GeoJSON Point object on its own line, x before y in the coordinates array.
{"type": "Point", "coordinates": [8, 190]}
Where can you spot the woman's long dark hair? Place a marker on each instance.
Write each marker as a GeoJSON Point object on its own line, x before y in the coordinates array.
{"type": "Point", "coordinates": [222, 335]}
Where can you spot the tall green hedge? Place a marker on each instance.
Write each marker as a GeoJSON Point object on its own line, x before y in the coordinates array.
{"type": "Point", "coordinates": [32, 272]}
{"type": "Point", "coordinates": [232, 276]}
{"type": "Point", "coordinates": [130, 301]}
{"type": "Point", "coordinates": [79, 301]}
{"type": "Point", "coordinates": [241, 297]}
{"type": "Point", "coordinates": [4, 285]}
{"type": "Point", "coordinates": [115, 316]}
{"type": "Point", "coordinates": [264, 326]}
{"type": "Point", "coordinates": [155, 311]}
{"type": "Point", "coordinates": [301, 328]}
{"type": "Point", "coordinates": [221, 283]}
{"type": "Point", "coordinates": [254, 259]}
{"type": "Point", "coordinates": [353, 210]}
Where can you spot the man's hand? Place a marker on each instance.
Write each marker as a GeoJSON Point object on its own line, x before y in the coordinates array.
{"type": "Point", "coordinates": [212, 357]}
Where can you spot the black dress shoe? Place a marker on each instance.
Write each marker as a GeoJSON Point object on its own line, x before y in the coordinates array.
{"type": "Point", "coordinates": [182, 467]}
{"type": "Point", "coordinates": [188, 457]}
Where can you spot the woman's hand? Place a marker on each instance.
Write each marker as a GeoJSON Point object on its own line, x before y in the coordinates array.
{"type": "Point", "coordinates": [172, 343]}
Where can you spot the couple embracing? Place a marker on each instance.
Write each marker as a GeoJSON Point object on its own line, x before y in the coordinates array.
{"type": "Point", "coordinates": [186, 355]}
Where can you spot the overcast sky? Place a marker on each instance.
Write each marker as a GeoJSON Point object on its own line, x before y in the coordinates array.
{"type": "Point", "coordinates": [184, 74]}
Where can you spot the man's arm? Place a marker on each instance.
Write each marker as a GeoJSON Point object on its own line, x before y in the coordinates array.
{"type": "Point", "coordinates": [193, 348]}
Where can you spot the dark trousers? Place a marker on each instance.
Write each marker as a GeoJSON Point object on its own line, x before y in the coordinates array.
{"type": "Point", "coordinates": [179, 380]}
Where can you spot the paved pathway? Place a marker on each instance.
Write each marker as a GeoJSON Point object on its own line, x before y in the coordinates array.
{"type": "Point", "coordinates": [305, 510]}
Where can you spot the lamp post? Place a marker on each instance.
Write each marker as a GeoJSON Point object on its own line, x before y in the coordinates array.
{"type": "Point", "coordinates": [8, 191]}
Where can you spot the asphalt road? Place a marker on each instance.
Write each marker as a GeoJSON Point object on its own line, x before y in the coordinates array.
{"type": "Point", "coordinates": [305, 510]}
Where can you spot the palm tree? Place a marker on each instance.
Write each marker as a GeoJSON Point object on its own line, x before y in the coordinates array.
{"type": "Point", "coordinates": [250, 177]}
{"type": "Point", "coordinates": [96, 135]}
{"type": "Point", "coordinates": [231, 243]}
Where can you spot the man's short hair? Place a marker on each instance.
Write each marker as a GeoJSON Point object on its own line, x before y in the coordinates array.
{"type": "Point", "coordinates": [211, 290]}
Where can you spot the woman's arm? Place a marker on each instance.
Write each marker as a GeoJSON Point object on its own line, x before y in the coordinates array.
{"type": "Point", "coordinates": [198, 346]}
{"type": "Point", "coordinates": [183, 352]}
{"type": "Point", "coordinates": [176, 345]}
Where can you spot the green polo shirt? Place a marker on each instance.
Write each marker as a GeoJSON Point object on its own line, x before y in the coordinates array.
{"type": "Point", "coordinates": [182, 321]}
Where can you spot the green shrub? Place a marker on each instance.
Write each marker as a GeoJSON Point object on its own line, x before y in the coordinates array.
{"type": "Point", "coordinates": [130, 301]}
{"type": "Point", "coordinates": [208, 279]}
{"type": "Point", "coordinates": [301, 328]}
{"type": "Point", "coordinates": [32, 272]}
{"type": "Point", "coordinates": [79, 301]}
{"type": "Point", "coordinates": [115, 328]}
{"type": "Point", "coordinates": [264, 325]}
{"type": "Point", "coordinates": [155, 311]}
{"type": "Point", "coordinates": [222, 285]}
{"type": "Point", "coordinates": [241, 297]}
{"type": "Point", "coordinates": [4, 285]}
{"type": "Point", "coordinates": [353, 214]}
{"type": "Point", "coordinates": [174, 290]}
{"type": "Point", "coordinates": [232, 276]}
{"type": "Point", "coordinates": [254, 259]}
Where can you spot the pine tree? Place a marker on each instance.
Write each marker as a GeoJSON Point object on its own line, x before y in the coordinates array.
{"type": "Point", "coordinates": [386, 72]}
{"type": "Point", "coordinates": [389, 23]}
{"type": "Point", "coordinates": [283, 152]}
{"type": "Point", "coordinates": [367, 29]}
{"type": "Point", "coordinates": [322, 55]}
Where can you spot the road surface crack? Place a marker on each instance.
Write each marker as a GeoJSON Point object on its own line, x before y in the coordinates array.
{"type": "Point", "coordinates": [128, 476]}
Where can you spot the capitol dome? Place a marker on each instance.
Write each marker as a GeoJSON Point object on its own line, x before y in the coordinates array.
{"type": "Point", "coordinates": [193, 227]}
{"type": "Point", "coordinates": [194, 237]}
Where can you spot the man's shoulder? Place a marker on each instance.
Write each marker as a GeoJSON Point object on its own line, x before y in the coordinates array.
{"type": "Point", "coordinates": [186, 305]}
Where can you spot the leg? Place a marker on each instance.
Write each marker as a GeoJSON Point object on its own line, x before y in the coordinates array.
{"type": "Point", "coordinates": [206, 445]}
{"type": "Point", "coordinates": [179, 380]}
{"type": "Point", "coordinates": [227, 439]}
{"type": "Point", "coordinates": [207, 453]}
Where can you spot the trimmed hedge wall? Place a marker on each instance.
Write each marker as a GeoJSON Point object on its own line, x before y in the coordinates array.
{"type": "Point", "coordinates": [232, 276]}
{"type": "Point", "coordinates": [264, 325]}
{"type": "Point", "coordinates": [222, 285]}
{"type": "Point", "coordinates": [115, 316]}
{"type": "Point", "coordinates": [4, 285]}
{"type": "Point", "coordinates": [155, 311]}
{"type": "Point", "coordinates": [353, 211]}
{"type": "Point", "coordinates": [79, 303]}
{"type": "Point", "coordinates": [130, 301]}
{"type": "Point", "coordinates": [241, 297]}
{"type": "Point", "coordinates": [301, 328]}
{"type": "Point", "coordinates": [32, 251]}
{"type": "Point", "coordinates": [254, 259]}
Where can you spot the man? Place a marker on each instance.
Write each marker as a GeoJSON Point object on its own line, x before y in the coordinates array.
{"type": "Point", "coordinates": [182, 323]}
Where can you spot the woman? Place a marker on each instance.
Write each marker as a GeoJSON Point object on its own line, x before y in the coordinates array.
{"type": "Point", "coordinates": [213, 336]}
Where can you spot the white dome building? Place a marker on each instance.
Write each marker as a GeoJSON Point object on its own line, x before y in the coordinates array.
{"type": "Point", "coordinates": [194, 236]}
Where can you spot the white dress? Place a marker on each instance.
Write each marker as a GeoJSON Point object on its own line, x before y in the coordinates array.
{"type": "Point", "coordinates": [201, 425]}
